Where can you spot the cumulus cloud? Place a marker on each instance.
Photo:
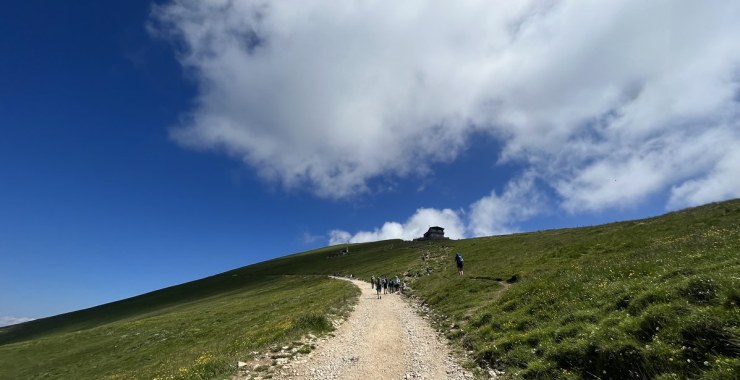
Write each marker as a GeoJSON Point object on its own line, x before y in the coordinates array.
{"type": "Point", "coordinates": [493, 214]}
{"type": "Point", "coordinates": [8, 320]}
{"type": "Point", "coordinates": [413, 228]}
{"type": "Point", "coordinates": [498, 214]}
{"type": "Point", "coordinates": [608, 102]}
{"type": "Point", "coordinates": [721, 182]}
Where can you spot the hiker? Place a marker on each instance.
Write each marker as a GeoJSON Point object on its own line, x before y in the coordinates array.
{"type": "Point", "coordinates": [372, 282]}
{"type": "Point", "coordinates": [377, 288]}
{"type": "Point", "coordinates": [385, 285]}
{"type": "Point", "coordinates": [459, 262]}
{"type": "Point", "coordinates": [398, 284]}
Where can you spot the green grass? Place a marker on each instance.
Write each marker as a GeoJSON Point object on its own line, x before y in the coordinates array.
{"type": "Point", "coordinates": [649, 299]}
{"type": "Point", "coordinates": [194, 338]}
{"type": "Point", "coordinates": [655, 298]}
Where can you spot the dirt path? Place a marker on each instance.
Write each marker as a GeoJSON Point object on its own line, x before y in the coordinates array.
{"type": "Point", "coordinates": [382, 339]}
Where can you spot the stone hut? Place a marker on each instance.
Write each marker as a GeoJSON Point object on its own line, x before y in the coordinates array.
{"type": "Point", "coordinates": [434, 233]}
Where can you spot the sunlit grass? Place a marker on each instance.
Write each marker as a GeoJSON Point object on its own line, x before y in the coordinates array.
{"type": "Point", "coordinates": [197, 339]}
{"type": "Point", "coordinates": [650, 299]}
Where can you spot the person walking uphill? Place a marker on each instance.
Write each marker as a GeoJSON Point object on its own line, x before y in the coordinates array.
{"type": "Point", "coordinates": [459, 262]}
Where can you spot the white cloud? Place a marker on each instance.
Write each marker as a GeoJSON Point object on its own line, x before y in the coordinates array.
{"type": "Point", "coordinates": [498, 214]}
{"type": "Point", "coordinates": [491, 215]}
{"type": "Point", "coordinates": [608, 102]}
{"type": "Point", "coordinates": [8, 320]}
{"type": "Point", "coordinates": [721, 182]}
{"type": "Point", "coordinates": [339, 237]}
{"type": "Point", "coordinates": [627, 175]}
{"type": "Point", "coordinates": [309, 238]}
{"type": "Point", "coordinates": [413, 228]}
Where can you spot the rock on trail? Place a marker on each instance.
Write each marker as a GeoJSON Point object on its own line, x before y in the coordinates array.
{"type": "Point", "coordinates": [382, 339]}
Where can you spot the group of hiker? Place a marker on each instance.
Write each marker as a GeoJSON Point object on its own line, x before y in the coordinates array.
{"type": "Point", "coordinates": [387, 285]}
{"type": "Point", "coordinates": [393, 285]}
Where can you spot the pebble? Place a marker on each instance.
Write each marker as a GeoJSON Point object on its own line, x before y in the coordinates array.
{"type": "Point", "coordinates": [379, 340]}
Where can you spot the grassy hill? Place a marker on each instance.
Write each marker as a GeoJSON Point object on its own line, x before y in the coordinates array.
{"type": "Point", "coordinates": [193, 331]}
{"type": "Point", "coordinates": [649, 299]}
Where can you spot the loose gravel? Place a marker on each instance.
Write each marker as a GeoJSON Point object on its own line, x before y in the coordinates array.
{"type": "Point", "coordinates": [381, 339]}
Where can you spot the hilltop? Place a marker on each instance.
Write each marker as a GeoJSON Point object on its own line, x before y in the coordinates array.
{"type": "Point", "coordinates": [652, 298]}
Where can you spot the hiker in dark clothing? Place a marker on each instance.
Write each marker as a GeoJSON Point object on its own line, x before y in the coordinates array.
{"type": "Point", "coordinates": [372, 282]}
{"type": "Point", "coordinates": [385, 285]}
{"type": "Point", "coordinates": [459, 262]}
{"type": "Point", "coordinates": [377, 288]}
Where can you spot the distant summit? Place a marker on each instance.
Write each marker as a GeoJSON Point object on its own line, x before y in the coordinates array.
{"type": "Point", "coordinates": [434, 233]}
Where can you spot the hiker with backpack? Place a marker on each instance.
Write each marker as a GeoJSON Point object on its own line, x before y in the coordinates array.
{"type": "Point", "coordinates": [459, 262]}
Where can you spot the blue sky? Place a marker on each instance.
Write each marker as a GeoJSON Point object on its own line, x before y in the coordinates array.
{"type": "Point", "coordinates": [144, 145]}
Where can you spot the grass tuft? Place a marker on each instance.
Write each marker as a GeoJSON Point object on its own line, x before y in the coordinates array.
{"type": "Point", "coordinates": [313, 323]}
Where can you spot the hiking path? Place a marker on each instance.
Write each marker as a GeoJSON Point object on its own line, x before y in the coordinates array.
{"type": "Point", "coordinates": [381, 339]}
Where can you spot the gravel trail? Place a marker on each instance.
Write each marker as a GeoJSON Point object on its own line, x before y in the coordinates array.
{"type": "Point", "coordinates": [381, 339]}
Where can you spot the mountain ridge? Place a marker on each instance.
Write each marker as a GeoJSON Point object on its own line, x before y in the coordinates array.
{"type": "Point", "coordinates": [583, 298]}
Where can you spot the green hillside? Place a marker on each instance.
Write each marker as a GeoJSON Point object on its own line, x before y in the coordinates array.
{"type": "Point", "coordinates": [193, 331]}
{"type": "Point", "coordinates": [648, 299]}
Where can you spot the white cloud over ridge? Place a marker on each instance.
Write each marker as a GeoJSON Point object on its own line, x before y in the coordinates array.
{"type": "Point", "coordinates": [491, 215]}
{"type": "Point", "coordinates": [607, 103]}
{"type": "Point", "coordinates": [413, 228]}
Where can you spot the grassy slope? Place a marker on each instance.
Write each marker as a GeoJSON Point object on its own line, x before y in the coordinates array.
{"type": "Point", "coordinates": [656, 298]}
{"type": "Point", "coordinates": [193, 331]}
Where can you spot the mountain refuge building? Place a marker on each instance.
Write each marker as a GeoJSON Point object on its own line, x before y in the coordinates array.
{"type": "Point", "coordinates": [434, 233]}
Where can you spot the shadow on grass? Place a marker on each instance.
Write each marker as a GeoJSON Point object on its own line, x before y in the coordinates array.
{"type": "Point", "coordinates": [486, 278]}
